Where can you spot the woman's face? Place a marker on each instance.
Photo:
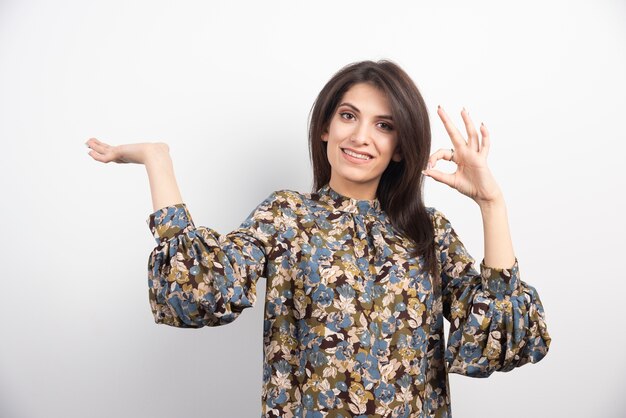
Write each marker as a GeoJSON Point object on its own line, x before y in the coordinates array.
{"type": "Point", "coordinates": [361, 141]}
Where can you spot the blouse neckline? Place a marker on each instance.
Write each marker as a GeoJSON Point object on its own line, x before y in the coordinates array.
{"type": "Point", "coordinates": [349, 204]}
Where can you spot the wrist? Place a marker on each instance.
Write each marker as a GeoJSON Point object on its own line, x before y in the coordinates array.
{"type": "Point", "coordinates": [156, 153]}
{"type": "Point", "coordinates": [497, 202]}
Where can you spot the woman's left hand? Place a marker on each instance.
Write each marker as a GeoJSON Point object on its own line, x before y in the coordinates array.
{"type": "Point", "coordinates": [472, 177]}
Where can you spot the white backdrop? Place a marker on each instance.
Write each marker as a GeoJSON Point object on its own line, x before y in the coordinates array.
{"type": "Point", "coordinates": [228, 85]}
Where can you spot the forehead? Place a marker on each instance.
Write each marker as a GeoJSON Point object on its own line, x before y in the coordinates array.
{"type": "Point", "coordinates": [367, 98]}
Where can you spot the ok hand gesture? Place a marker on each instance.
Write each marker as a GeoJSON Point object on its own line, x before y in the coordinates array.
{"type": "Point", "coordinates": [472, 177]}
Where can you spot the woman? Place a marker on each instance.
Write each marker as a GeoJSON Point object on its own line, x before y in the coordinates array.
{"type": "Point", "coordinates": [360, 274]}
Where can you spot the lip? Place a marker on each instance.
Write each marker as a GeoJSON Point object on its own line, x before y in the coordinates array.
{"type": "Point", "coordinates": [354, 159]}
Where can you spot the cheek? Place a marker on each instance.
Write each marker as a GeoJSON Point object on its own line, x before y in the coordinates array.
{"type": "Point", "coordinates": [387, 146]}
{"type": "Point", "coordinates": [339, 131]}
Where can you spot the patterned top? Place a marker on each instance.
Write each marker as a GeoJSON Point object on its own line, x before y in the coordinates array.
{"type": "Point", "coordinates": [353, 326]}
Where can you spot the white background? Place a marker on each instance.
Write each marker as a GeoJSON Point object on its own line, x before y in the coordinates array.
{"type": "Point", "coordinates": [229, 85]}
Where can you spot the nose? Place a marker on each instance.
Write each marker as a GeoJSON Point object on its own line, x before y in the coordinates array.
{"type": "Point", "coordinates": [360, 135]}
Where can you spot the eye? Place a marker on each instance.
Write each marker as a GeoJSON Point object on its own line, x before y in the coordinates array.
{"type": "Point", "coordinates": [346, 115]}
{"type": "Point", "coordinates": [385, 126]}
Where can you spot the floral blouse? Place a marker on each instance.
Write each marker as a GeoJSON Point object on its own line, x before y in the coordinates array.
{"type": "Point", "coordinates": [353, 326]}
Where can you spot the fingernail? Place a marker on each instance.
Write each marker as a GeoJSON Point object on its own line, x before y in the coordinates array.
{"type": "Point", "coordinates": [438, 106]}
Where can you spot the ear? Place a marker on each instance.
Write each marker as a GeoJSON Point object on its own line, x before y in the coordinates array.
{"type": "Point", "coordinates": [325, 136]}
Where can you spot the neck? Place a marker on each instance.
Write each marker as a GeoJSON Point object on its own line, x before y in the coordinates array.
{"type": "Point", "coordinates": [361, 191]}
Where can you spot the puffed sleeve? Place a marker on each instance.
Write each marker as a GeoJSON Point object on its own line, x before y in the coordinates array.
{"type": "Point", "coordinates": [497, 321]}
{"type": "Point", "coordinates": [198, 277]}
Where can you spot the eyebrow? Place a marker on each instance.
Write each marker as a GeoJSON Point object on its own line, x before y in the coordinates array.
{"type": "Point", "coordinates": [356, 109]}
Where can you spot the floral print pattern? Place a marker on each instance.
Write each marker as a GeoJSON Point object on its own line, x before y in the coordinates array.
{"type": "Point", "coordinates": [353, 326]}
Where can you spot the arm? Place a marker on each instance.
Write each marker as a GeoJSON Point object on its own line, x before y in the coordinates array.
{"type": "Point", "coordinates": [497, 237]}
{"type": "Point", "coordinates": [160, 171]}
{"type": "Point", "coordinates": [497, 321]}
{"type": "Point", "coordinates": [198, 277]}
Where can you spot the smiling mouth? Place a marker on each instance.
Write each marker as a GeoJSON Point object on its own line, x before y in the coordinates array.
{"type": "Point", "coordinates": [356, 154]}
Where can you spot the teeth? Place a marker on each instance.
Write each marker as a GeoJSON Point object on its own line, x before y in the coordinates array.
{"type": "Point", "coordinates": [354, 154]}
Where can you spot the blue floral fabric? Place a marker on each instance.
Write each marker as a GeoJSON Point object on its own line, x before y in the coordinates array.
{"type": "Point", "coordinates": [353, 325]}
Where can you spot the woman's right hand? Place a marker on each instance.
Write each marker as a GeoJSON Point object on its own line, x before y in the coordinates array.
{"type": "Point", "coordinates": [127, 153]}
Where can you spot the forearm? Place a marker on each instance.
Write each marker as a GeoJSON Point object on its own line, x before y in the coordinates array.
{"type": "Point", "coordinates": [163, 184]}
{"type": "Point", "coordinates": [498, 245]}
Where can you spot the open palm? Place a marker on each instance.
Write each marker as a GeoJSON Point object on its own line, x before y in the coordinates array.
{"type": "Point", "coordinates": [472, 177]}
{"type": "Point", "coordinates": [136, 153]}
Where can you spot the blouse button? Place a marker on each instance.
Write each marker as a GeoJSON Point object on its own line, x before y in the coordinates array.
{"type": "Point", "coordinates": [194, 270]}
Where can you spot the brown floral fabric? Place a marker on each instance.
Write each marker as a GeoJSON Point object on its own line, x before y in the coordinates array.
{"type": "Point", "coordinates": [353, 326]}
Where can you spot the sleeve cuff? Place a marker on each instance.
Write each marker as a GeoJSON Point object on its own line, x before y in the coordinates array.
{"type": "Point", "coordinates": [169, 222]}
{"type": "Point", "coordinates": [500, 281]}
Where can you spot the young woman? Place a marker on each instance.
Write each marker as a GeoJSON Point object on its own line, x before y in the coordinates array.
{"type": "Point", "coordinates": [360, 273]}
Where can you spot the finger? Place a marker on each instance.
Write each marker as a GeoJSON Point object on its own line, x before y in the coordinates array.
{"type": "Point", "coordinates": [484, 149]}
{"type": "Point", "coordinates": [98, 146]}
{"type": "Point", "coordinates": [440, 154]}
{"type": "Point", "coordinates": [98, 157]}
{"type": "Point", "coordinates": [96, 141]}
{"type": "Point", "coordinates": [91, 141]}
{"type": "Point", "coordinates": [472, 135]}
{"type": "Point", "coordinates": [445, 178]}
{"type": "Point", "coordinates": [453, 132]}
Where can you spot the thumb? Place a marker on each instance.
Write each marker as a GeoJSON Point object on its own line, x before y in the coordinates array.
{"type": "Point", "coordinates": [440, 176]}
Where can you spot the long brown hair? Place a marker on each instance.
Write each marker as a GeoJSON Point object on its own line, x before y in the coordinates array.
{"type": "Point", "coordinates": [400, 189]}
